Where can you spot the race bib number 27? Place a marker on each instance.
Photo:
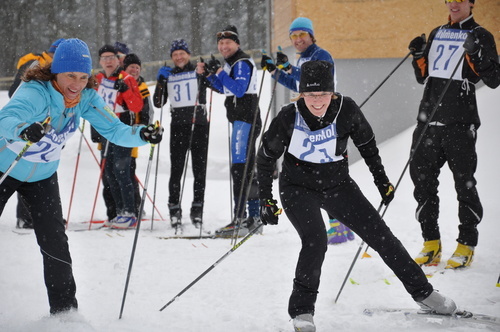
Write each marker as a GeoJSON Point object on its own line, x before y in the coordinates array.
{"type": "Point", "coordinates": [445, 53]}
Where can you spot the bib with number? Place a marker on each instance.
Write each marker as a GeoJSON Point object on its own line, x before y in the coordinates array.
{"type": "Point", "coordinates": [316, 146]}
{"type": "Point", "coordinates": [445, 53]}
{"type": "Point", "coordinates": [182, 89]}
{"type": "Point", "coordinates": [49, 148]}
{"type": "Point", "coordinates": [109, 94]}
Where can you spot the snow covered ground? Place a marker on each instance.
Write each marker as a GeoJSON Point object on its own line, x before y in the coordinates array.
{"type": "Point", "coordinates": [249, 290]}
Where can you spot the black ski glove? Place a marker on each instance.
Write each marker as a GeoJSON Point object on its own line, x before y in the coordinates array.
{"type": "Point", "coordinates": [386, 190]}
{"type": "Point", "coordinates": [269, 211]}
{"type": "Point", "coordinates": [213, 65]}
{"type": "Point", "coordinates": [205, 71]}
{"type": "Point", "coordinates": [282, 61]}
{"type": "Point", "coordinates": [267, 63]}
{"type": "Point", "coordinates": [471, 43]}
{"type": "Point", "coordinates": [120, 85]}
{"type": "Point", "coordinates": [34, 132]}
{"type": "Point", "coordinates": [152, 134]}
{"type": "Point", "coordinates": [417, 46]}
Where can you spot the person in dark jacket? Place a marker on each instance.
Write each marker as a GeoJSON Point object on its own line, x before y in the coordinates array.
{"type": "Point", "coordinates": [450, 135]}
{"type": "Point", "coordinates": [121, 93]}
{"type": "Point", "coordinates": [301, 33]}
{"type": "Point", "coordinates": [188, 129]}
{"type": "Point", "coordinates": [312, 134]}
{"type": "Point", "coordinates": [238, 81]}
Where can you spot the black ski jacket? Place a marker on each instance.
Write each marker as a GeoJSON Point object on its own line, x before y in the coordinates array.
{"type": "Point", "coordinates": [459, 102]}
{"type": "Point", "coordinates": [184, 115]}
{"type": "Point", "coordinates": [320, 177]}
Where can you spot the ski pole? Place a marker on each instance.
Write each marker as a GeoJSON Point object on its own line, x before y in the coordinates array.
{"type": "Point", "coordinates": [21, 154]}
{"type": "Point", "coordinates": [162, 100]}
{"type": "Point", "coordinates": [146, 181]}
{"type": "Point", "coordinates": [382, 83]}
{"type": "Point", "coordinates": [76, 172]}
{"type": "Point", "coordinates": [260, 140]}
{"type": "Point", "coordinates": [412, 154]}
{"type": "Point", "coordinates": [236, 246]}
{"type": "Point", "coordinates": [208, 140]}
{"type": "Point", "coordinates": [137, 179]}
{"type": "Point", "coordinates": [101, 172]}
{"type": "Point", "coordinates": [240, 207]}
{"type": "Point", "coordinates": [186, 159]}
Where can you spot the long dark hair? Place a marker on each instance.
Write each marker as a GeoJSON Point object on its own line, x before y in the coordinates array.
{"type": "Point", "coordinates": [44, 73]}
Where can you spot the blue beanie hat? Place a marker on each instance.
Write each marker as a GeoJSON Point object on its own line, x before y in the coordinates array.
{"type": "Point", "coordinates": [54, 45]}
{"type": "Point", "coordinates": [179, 44]}
{"type": "Point", "coordinates": [121, 47]}
{"type": "Point", "coordinates": [72, 55]}
{"type": "Point", "coordinates": [302, 23]}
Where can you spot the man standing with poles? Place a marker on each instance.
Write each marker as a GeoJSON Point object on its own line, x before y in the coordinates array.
{"type": "Point", "coordinates": [188, 129]}
{"type": "Point", "coordinates": [238, 81]}
{"type": "Point", "coordinates": [448, 133]}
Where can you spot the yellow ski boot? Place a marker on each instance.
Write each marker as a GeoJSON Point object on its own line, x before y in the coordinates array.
{"type": "Point", "coordinates": [462, 257]}
{"type": "Point", "coordinates": [430, 254]}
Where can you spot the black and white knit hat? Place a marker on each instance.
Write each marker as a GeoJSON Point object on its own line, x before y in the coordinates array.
{"type": "Point", "coordinates": [316, 76]}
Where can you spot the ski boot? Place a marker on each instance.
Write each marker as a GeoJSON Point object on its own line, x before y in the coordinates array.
{"type": "Point", "coordinates": [124, 222]}
{"type": "Point", "coordinates": [175, 216]}
{"type": "Point", "coordinates": [336, 232]}
{"type": "Point", "coordinates": [230, 229]}
{"type": "Point", "coordinates": [462, 257]}
{"type": "Point", "coordinates": [430, 254]}
{"type": "Point", "coordinates": [304, 323]}
{"type": "Point", "coordinates": [250, 224]}
{"type": "Point", "coordinates": [437, 304]}
{"type": "Point", "coordinates": [196, 214]}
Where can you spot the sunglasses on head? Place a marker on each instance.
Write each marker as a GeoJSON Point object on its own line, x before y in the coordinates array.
{"type": "Point", "coordinates": [302, 34]}
{"type": "Point", "coordinates": [450, 1]}
{"type": "Point", "coordinates": [226, 34]}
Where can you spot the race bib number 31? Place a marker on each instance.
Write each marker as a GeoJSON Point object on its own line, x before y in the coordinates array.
{"type": "Point", "coordinates": [445, 53]}
{"type": "Point", "coordinates": [182, 89]}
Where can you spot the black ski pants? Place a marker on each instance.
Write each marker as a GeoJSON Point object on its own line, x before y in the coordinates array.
{"type": "Point", "coordinates": [344, 202]}
{"type": "Point", "coordinates": [180, 143]}
{"type": "Point", "coordinates": [43, 200]}
{"type": "Point", "coordinates": [456, 145]}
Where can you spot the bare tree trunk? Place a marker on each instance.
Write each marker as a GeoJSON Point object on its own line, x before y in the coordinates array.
{"type": "Point", "coordinates": [196, 32]}
{"type": "Point", "coordinates": [106, 23]}
{"type": "Point", "coordinates": [155, 36]}
{"type": "Point", "coordinates": [119, 21]}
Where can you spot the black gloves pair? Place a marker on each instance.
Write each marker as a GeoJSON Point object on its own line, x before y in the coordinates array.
{"type": "Point", "coordinates": [120, 85]}
{"type": "Point", "coordinates": [35, 132]}
{"type": "Point", "coordinates": [471, 44]}
{"type": "Point", "coordinates": [417, 46]}
{"type": "Point", "coordinates": [212, 66]}
{"type": "Point", "coordinates": [269, 211]}
{"type": "Point", "coordinates": [153, 133]}
{"type": "Point", "coordinates": [281, 62]}
{"type": "Point", "coordinates": [386, 190]}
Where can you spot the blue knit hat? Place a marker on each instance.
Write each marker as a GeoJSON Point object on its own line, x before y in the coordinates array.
{"type": "Point", "coordinates": [302, 23]}
{"type": "Point", "coordinates": [54, 45]}
{"type": "Point", "coordinates": [179, 44]}
{"type": "Point", "coordinates": [72, 55]}
{"type": "Point", "coordinates": [121, 47]}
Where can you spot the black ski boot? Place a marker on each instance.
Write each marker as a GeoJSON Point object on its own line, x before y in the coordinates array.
{"type": "Point", "coordinates": [197, 214]}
